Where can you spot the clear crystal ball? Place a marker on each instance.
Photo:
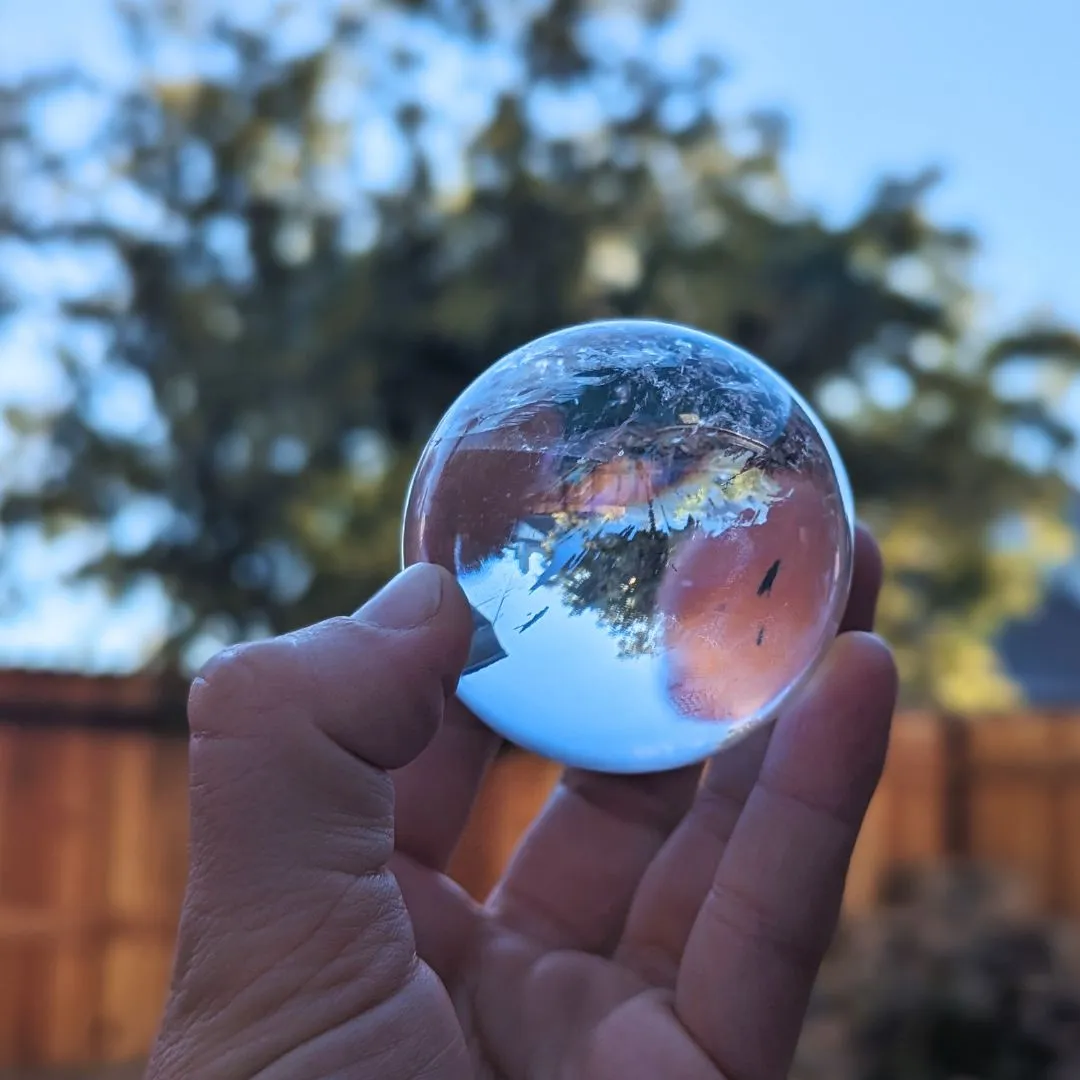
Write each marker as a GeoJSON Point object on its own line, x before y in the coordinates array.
{"type": "Point", "coordinates": [655, 533]}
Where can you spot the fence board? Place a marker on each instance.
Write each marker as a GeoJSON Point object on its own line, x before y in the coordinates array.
{"type": "Point", "coordinates": [80, 853]}
{"type": "Point", "coordinates": [915, 789]}
{"type": "Point", "coordinates": [93, 837]}
{"type": "Point", "coordinates": [93, 833]}
{"type": "Point", "coordinates": [516, 790]}
{"type": "Point", "coordinates": [1067, 819]}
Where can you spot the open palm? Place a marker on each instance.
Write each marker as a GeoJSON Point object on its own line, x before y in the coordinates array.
{"type": "Point", "coordinates": [664, 926]}
{"type": "Point", "coordinates": [655, 926]}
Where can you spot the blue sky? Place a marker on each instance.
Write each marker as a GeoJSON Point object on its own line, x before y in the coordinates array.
{"type": "Point", "coordinates": [988, 89]}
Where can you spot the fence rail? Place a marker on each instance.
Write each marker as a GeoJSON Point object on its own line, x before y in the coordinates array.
{"type": "Point", "coordinates": [93, 835]}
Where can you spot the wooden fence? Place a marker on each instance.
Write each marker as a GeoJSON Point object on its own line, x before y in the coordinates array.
{"type": "Point", "coordinates": [93, 841]}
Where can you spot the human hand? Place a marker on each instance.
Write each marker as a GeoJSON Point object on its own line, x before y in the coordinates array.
{"type": "Point", "coordinates": [651, 926]}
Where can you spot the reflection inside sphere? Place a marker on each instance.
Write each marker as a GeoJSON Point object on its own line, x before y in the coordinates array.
{"type": "Point", "coordinates": [655, 535]}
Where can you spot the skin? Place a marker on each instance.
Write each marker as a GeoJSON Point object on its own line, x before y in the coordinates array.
{"type": "Point", "coordinates": [663, 925]}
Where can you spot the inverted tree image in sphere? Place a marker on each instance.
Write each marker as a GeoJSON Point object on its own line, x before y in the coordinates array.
{"type": "Point", "coordinates": [655, 533]}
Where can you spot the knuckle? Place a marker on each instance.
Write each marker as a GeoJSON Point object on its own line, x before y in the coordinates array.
{"type": "Point", "coordinates": [338, 644]}
{"type": "Point", "coordinates": [250, 675]}
{"type": "Point", "coordinates": [338, 670]}
{"type": "Point", "coordinates": [345, 624]}
{"type": "Point", "coordinates": [717, 811]}
{"type": "Point", "coordinates": [798, 942]}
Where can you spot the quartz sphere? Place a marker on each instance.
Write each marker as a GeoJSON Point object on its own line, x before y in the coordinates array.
{"type": "Point", "coordinates": [655, 534]}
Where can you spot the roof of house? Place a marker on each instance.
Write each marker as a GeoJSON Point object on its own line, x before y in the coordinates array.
{"type": "Point", "coordinates": [1042, 653]}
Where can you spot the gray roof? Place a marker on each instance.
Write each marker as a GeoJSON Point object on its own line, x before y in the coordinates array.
{"type": "Point", "coordinates": [1042, 653]}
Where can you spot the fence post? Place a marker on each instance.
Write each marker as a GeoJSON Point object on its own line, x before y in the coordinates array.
{"type": "Point", "coordinates": [956, 804]}
{"type": "Point", "coordinates": [1060, 781]}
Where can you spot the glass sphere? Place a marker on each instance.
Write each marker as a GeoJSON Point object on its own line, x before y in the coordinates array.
{"type": "Point", "coordinates": [655, 534]}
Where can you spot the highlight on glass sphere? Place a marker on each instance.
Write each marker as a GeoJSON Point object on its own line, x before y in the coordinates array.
{"type": "Point", "coordinates": [655, 533]}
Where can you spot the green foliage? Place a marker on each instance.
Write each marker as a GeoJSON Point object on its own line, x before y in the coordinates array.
{"type": "Point", "coordinates": [315, 250]}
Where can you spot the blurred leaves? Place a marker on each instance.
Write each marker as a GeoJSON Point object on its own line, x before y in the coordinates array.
{"type": "Point", "coordinates": [323, 223]}
{"type": "Point", "coordinates": [958, 975]}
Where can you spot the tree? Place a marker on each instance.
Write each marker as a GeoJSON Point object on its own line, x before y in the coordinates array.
{"type": "Point", "coordinates": [313, 249]}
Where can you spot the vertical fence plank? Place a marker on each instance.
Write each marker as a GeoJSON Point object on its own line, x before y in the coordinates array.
{"type": "Point", "coordinates": [93, 850]}
{"type": "Point", "coordinates": [1012, 802]}
{"type": "Point", "coordinates": [26, 878]}
{"type": "Point", "coordinates": [8, 960]}
{"type": "Point", "coordinates": [905, 821]}
{"type": "Point", "coordinates": [1067, 839]}
{"type": "Point", "coordinates": [78, 911]}
{"type": "Point", "coordinates": [130, 966]}
{"type": "Point", "coordinates": [93, 832]}
{"type": "Point", "coordinates": [517, 787]}
{"type": "Point", "coordinates": [867, 862]}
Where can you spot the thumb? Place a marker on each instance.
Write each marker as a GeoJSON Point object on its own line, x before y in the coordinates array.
{"type": "Point", "coordinates": [292, 925]}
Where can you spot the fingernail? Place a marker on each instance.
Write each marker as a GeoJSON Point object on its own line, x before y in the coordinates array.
{"type": "Point", "coordinates": [410, 600]}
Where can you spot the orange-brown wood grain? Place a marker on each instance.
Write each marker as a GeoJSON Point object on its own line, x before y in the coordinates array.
{"type": "Point", "coordinates": [93, 850]}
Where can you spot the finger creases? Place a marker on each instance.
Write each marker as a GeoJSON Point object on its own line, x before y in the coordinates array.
{"type": "Point", "coordinates": [292, 807]}
{"type": "Point", "coordinates": [677, 881]}
{"type": "Point", "coordinates": [292, 737]}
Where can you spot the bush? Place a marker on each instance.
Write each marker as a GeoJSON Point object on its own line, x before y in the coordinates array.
{"type": "Point", "coordinates": [956, 977]}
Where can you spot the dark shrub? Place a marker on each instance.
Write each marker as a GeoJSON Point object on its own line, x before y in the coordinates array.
{"type": "Point", "coordinates": [956, 977]}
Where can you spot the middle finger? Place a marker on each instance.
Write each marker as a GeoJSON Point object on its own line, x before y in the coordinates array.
{"type": "Point", "coordinates": [674, 886]}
